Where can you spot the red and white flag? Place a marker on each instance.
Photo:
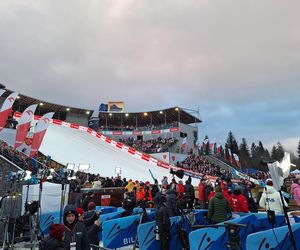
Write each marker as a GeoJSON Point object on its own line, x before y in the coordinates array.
{"type": "Point", "coordinates": [184, 143]}
{"type": "Point", "coordinates": [204, 143]}
{"type": "Point", "coordinates": [218, 149]}
{"type": "Point", "coordinates": [230, 155]}
{"type": "Point", "coordinates": [6, 108]}
{"type": "Point", "coordinates": [24, 124]}
{"type": "Point", "coordinates": [237, 160]}
{"type": "Point", "coordinates": [39, 133]}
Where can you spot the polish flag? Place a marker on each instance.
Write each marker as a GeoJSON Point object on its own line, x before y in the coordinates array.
{"type": "Point", "coordinates": [230, 155]}
{"type": "Point", "coordinates": [204, 143]}
{"type": "Point", "coordinates": [184, 143]}
{"type": "Point", "coordinates": [6, 108]}
{"type": "Point", "coordinates": [211, 145]}
{"type": "Point", "coordinates": [39, 133]}
{"type": "Point", "coordinates": [218, 149]}
{"type": "Point", "coordinates": [237, 160]}
{"type": "Point", "coordinates": [24, 124]}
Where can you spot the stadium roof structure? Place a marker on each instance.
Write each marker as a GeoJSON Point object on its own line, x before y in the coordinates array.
{"type": "Point", "coordinates": [157, 117]}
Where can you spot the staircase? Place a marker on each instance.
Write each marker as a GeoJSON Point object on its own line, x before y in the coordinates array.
{"type": "Point", "coordinates": [214, 160]}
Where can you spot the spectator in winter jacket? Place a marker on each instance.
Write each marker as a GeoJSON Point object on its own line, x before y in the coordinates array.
{"type": "Point", "coordinates": [154, 189]}
{"type": "Point", "coordinates": [164, 225]}
{"type": "Point", "coordinates": [130, 185]}
{"type": "Point", "coordinates": [55, 239]}
{"type": "Point", "coordinates": [201, 193]}
{"type": "Point", "coordinates": [87, 200]}
{"type": "Point", "coordinates": [189, 193]}
{"type": "Point", "coordinates": [240, 203]}
{"type": "Point", "coordinates": [172, 203]}
{"type": "Point", "coordinates": [75, 231]}
{"type": "Point", "coordinates": [295, 191]}
{"type": "Point", "coordinates": [218, 207]}
{"type": "Point", "coordinates": [179, 190]}
{"type": "Point", "coordinates": [270, 199]}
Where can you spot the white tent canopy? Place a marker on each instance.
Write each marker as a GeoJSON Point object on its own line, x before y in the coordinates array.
{"type": "Point", "coordinates": [296, 171]}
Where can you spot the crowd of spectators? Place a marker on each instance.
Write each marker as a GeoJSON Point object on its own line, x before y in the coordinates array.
{"type": "Point", "coordinates": [201, 165]}
{"type": "Point", "coordinates": [158, 145]}
{"type": "Point", "coordinates": [138, 128]}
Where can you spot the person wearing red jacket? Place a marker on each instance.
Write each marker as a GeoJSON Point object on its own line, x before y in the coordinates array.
{"type": "Point", "coordinates": [240, 203]}
{"type": "Point", "coordinates": [201, 193]}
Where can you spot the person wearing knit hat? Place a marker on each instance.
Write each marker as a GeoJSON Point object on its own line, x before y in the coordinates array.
{"type": "Point", "coordinates": [218, 207]}
{"type": "Point", "coordinates": [80, 213]}
{"type": "Point", "coordinates": [75, 231]}
{"type": "Point", "coordinates": [55, 239]}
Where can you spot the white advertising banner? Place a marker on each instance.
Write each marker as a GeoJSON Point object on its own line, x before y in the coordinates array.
{"type": "Point", "coordinates": [50, 198]}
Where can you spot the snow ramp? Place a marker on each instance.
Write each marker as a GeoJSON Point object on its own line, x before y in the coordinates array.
{"type": "Point", "coordinates": [71, 143]}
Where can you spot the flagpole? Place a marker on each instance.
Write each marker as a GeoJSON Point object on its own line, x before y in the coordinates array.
{"type": "Point", "coordinates": [288, 221]}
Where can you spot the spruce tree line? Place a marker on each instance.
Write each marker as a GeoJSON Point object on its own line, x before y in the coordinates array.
{"type": "Point", "coordinates": [254, 156]}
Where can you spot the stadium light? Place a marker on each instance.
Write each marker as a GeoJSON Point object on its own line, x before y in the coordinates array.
{"type": "Point", "coordinates": [87, 112]}
{"type": "Point", "coordinates": [18, 97]}
{"type": "Point", "coordinates": [145, 114]}
{"type": "Point", "coordinates": [161, 112]}
{"type": "Point", "coordinates": [126, 114]}
{"type": "Point", "coordinates": [177, 109]}
{"type": "Point", "coordinates": [41, 104]}
{"type": "Point", "coordinates": [118, 171]}
{"type": "Point", "coordinates": [110, 114]}
{"type": "Point", "coordinates": [68, 109]}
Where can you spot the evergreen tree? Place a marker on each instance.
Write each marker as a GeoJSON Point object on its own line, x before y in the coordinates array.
{"type": "Point", "coordinates": [232, 143]}
{"type": "Point", "coordinates": [244, 154]}
{"type": "Point", "coordinates": [273, 152]}
{"type": "Point", "coordinates": [260, 149]}
{"type": "Point", "coordinates": [279, 151]}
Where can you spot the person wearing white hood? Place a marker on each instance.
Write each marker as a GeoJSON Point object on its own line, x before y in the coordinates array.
{"type": "Point", "coordinates": [270, 199]}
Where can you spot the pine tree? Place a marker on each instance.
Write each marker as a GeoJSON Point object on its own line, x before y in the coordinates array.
{"type": "Point", "coordinates": [232, 143]}
{"type": "Point", "coordinates": [279, 151]}
{"type": "Point", "coordinates": [273, 153]}
{"type": "Point", "coordinates": [244, 154]}
{"type": "Point", "coordinates": [230, 139]}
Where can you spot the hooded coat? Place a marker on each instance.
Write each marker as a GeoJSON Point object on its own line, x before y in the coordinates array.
{"type": "Point", "coordinates": [270, 200]}
{"type": "Point", "coordinates": [171, 203]}
{"type": "Point", "coordinates": [295, 190]}
{"type": "Point", "coordinates": [218, 207]}
{"type": "Point", "coordinates": [75, 232]}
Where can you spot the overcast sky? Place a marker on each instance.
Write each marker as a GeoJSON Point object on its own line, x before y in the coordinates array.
{"type": "Point", "coordinates": [237, 61]}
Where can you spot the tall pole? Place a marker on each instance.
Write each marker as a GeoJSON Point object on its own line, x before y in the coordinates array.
{"type": "Point", "coordinates": [288, 221]}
